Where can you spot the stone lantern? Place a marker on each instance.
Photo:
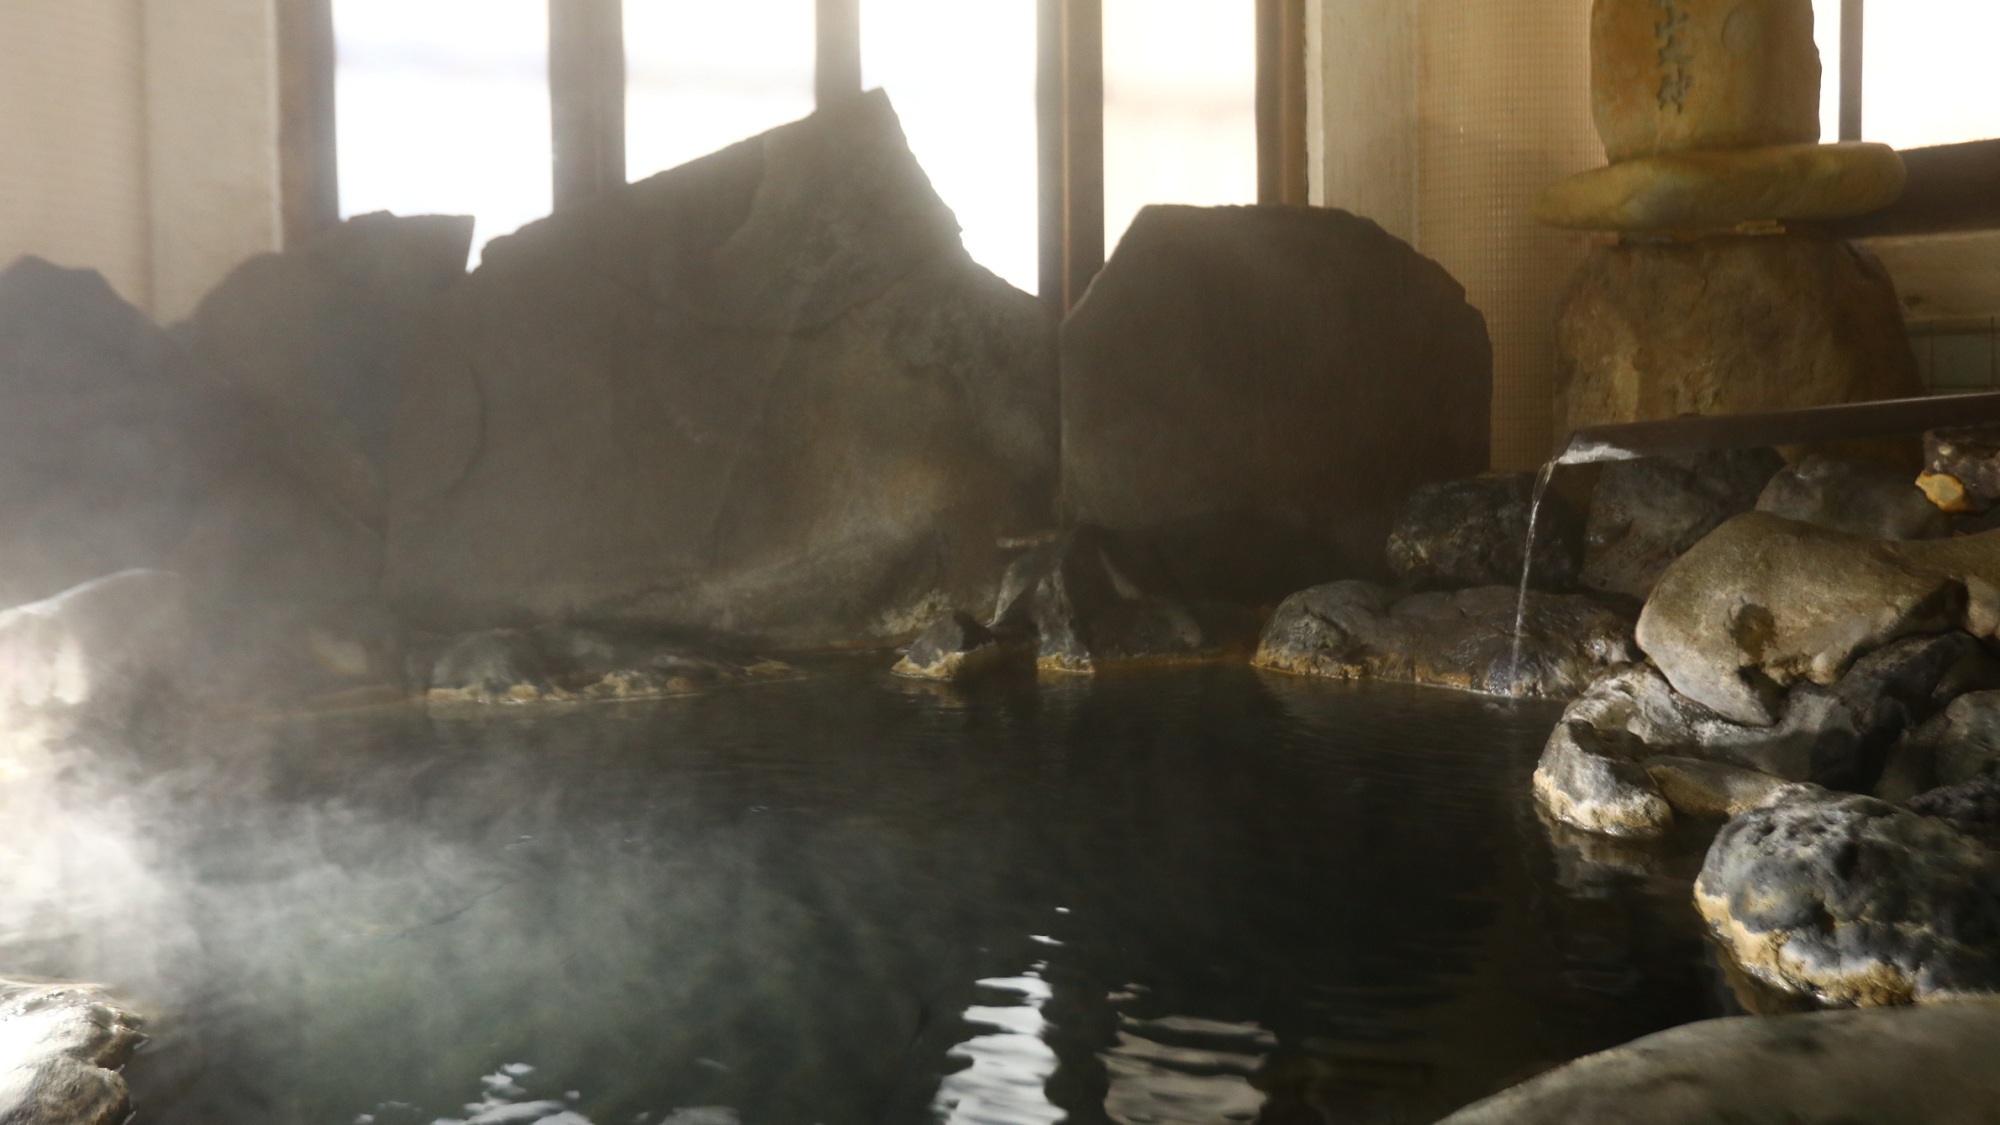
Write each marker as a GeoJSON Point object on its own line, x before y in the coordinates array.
{"type": "Point", "coordinates": [1720, 294]}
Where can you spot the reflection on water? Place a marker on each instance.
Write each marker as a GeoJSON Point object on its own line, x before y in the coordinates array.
{"type": "Point", "coordinates": [1186, 896]}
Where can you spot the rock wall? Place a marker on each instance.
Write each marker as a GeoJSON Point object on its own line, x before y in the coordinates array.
{"type": "Point", "coordinates": [765, 393]}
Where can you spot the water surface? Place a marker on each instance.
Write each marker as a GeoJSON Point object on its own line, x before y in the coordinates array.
{"type": "Point", "coordinates": [1201, 895]}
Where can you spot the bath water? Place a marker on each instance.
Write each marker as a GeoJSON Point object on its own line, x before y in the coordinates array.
{"type": "Point", "coordinates": [1196, 895]}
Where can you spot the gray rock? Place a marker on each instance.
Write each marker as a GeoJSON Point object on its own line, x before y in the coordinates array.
{"type": "Point", "coordinates": [319, 339]}
{"type": "Point", "coordinates": [1289, 373]}
{"type": "Point", "coordinates": [1936, 1065]}
{"type": "Point", "coordinates": [1972, 807]}
{"type": "Point", "coordinates": [1865, 500]}
{"type": "Point", "coordinates": [1644, 514]}
{"type": "Point", "coordinates": [1853, 901]}
{"type": "Point", "coordinates": [1588, 785]}
{"type": "Point", "coordinates": [108, 647]}
{"type": "Point", "coordinates": [1474, 533]}
{"type": "Point", "coordinates": [1955, 746]}
{"type": "Point", "coordinates": [1712, 789]}
{"type": "Point", "coordinates": [1763, 603]}
{"type": "Point", "coordinates": [65, 1047]}
{"type": "Point", "coordinates": [1464, 640]}
{"type": "Point", "coordinates": [765, 394]}
{"type": "Point", "coordinates": [493, 666]}
{"type": "Point", "coordinates": [954, 647]}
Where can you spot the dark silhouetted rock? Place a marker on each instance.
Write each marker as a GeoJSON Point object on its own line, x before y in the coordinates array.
{"type": "Point", "coordinates": [65, 1047]}
{"type": "Point", "coordinates": [1473, 532]}
{"type": "Point", "coordinates": [764, 394]}
{"type": "Point", "coordinates": [1865, 500]}
{"type": "Point", "coordinates": [116, 452]}
{"type": "Point", "coordinates": [1654, 330]}
{"type": "Point", "coordinates": [1904, 1066]}
{"type": "Point", "coordinates": [1095, 598]}
{"type": "Point", "coordinates": [1764, 602]}
{"type": "Point", "coordinates": [1854, 901]}
{"type": "Point", "coordinates": [952, 647]}
{"type": "Point", "coordinates": [1291, 373]}
{"type": "Point", "coordinates": [1358, 630]}
{"type": "Point", "coordinates": [319, 338]}
{"type": "Point", "coordinates": [1956, 746]}
{"type": "Point", "coordinates": [1644, 514]}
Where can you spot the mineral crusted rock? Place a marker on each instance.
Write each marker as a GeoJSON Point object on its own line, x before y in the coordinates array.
{"type": "Point", "coordinates": [1680, 75]}
{"type": "Point", "coordinates": [1865, 500]}
{"type": "Point", "coordinates": [1723, 190]}
{"type": "Point", "coordinates": [1654, 330]}
{"type": "Point", "coordinates": [1763, 603]}
{"type": "Point", "coordinates": [1644, 514]}
{"type": "Point", "coordinates": [65, 1047]}
{"type": "Point", "coordinates": [1358, 630]}
{"type": "Point", "coordinates": [1935, 1065]}
{"type": "Point", "coordinates": [1587, 785]}
{"type": "Point", "coordinates": [1853, 901]}
{"type": "Point", "coordinates": [557, 664]}
{"type": "Point", "coordinates": [319, 339]}
{"type": "Point", "coordinates": [954, 647]}
{"type": "Point", "coordinates": [1094, 598]}
{"type": "Point", "coordinates": [1292, 372]}
{"type": "Point", "coordinates": [766, 394]}
{"type": "Point", "coordinates": [1474, 532]}
{"type": "Point", "coordinates": [1962, 468]}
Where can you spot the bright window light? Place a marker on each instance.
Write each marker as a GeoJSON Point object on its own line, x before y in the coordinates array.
{"type": "Point", "coordinates": [961, 74]}
{"type": "Point", "coordinates": [701, 76]}
{"type": "Point", "coordinates": [443, 108]}
{"type": "Point", "coordinates": [1931, 77]}
{"type": "Point", "coordinates": [1180, 105]}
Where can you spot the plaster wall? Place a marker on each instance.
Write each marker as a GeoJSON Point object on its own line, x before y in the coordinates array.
{"type": "Point", "coordinates": [1442, 120]}
{"type": "Point", "coordinates": [139, 138]}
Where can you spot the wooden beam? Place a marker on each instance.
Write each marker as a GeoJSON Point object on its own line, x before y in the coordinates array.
{"type": "Point", "coordinates": [1853, 55]}
{"type": "Point", "coordinates": [587, 97]}
{"type": "Point", "coordinates": [1083, 146]}
{"type": "Point", "coordinates": [1281, 101]}
{"type": "Point", "coordinates": [1951, 188]}
{"type": "Point", "coordinates": [308, 152]}
{"type": "Point", "coordinates": [836, 50]}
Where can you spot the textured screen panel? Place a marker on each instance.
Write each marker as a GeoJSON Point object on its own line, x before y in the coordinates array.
{"type": "Point", "coordinates": [73, 178]}
{"type": "Point", "coordinates": [1504, 111]}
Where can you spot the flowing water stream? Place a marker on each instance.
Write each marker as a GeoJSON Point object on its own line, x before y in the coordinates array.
{"type": "Point", "coordinates": [1542, 480]}
{"type": "Point", "coordinates": [1201, 895]}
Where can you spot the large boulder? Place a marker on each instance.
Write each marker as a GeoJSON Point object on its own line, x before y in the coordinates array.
{"type": "Point", "coordinates": [1853, 901]}
{"type": "Point", "coordinates": [1960, 744]}
{"type": "Point", "coordinates": [1646, 513]}
{"type": "Point", "coordinates": [1289, 374]}
{"type": "Point", "coordinates": [765, 394]}
{"type": "Point", "coordinates": [1937, 1065]}
{"type": "Point", "coordinates": [1354, 630]}
{"type": "Point", "coordinates": [1475, 532]}
{"type": "Point", "coordinates": [1861, 499]}
{"type": "Point", "coordinates": [117, 451]}
{"type": "Point", "coordinates": [1763, 603]}
{"type": "Point", "coordinates": [1728, 325]}
{"type": "Point", "coordinates": [319, 339]}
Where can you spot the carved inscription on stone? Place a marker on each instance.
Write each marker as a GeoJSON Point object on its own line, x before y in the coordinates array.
{"type": "Point", "coordinates": [1670, 30]}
